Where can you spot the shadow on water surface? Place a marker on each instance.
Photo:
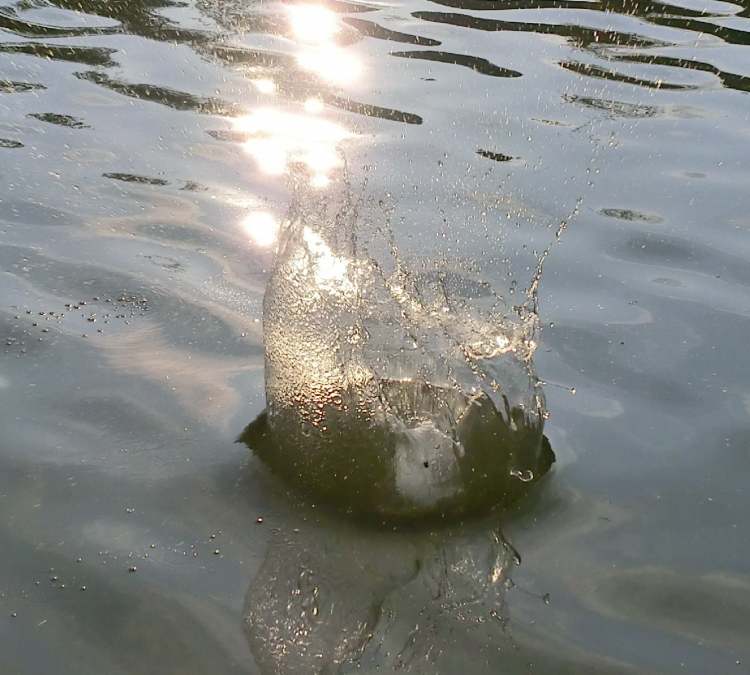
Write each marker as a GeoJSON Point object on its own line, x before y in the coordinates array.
{"type": "Point", "coordinates": [90, 56]}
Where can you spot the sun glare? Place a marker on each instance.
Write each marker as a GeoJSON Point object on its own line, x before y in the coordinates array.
{"type": "Point", "coordinates": [331, 63]}
{"type": "Point", "coordinates": [313, 23]}
{"type": "Point", "coordinates": [265, 85]}
{"type": "Point", "coordinates": [278, 139]}
{"type": "Point", "coordinates": [261, 227]}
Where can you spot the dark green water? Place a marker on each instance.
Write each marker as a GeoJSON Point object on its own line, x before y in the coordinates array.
{"type": "Point", "coordinates": [134, 214]}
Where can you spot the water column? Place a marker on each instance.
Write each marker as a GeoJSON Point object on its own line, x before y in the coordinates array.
{"type": "Point", "coordinates": [399, 382]}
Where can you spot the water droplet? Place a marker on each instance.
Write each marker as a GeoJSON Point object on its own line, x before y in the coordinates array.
{"type": "Point", "coordinates": [524, 476]}
{"type": "Point", "coordinates": [546, 598]}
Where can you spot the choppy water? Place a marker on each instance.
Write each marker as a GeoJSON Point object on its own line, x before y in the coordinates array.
{"type": "Point", "coordinates": [147, 151]}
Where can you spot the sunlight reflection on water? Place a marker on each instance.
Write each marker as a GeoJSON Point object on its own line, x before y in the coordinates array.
{"type": "Point", "coordinates": [261, 227]}
{"type": "Point", "coordinates": [278, 139]}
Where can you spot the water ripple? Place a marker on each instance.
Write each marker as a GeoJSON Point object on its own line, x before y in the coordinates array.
{"type": "Point", "coordinates": [475, 63]}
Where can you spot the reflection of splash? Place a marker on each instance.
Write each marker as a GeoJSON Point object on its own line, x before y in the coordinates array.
{"type": "Point", "coordinates": [333, 596]}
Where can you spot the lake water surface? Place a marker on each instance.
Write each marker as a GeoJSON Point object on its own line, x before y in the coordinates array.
{"type": "Point", "coordinates": [146, 155]}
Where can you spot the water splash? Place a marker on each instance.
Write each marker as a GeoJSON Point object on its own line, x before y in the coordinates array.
{"type": "Point", "coordinates": [395, 387]}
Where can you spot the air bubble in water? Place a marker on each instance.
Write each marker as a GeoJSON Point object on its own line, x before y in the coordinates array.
{"type": "Point", "coordinates": [526, 475]}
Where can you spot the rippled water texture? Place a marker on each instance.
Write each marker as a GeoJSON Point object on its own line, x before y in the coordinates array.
{"type": "Point", "coordinates": [152, 156]}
